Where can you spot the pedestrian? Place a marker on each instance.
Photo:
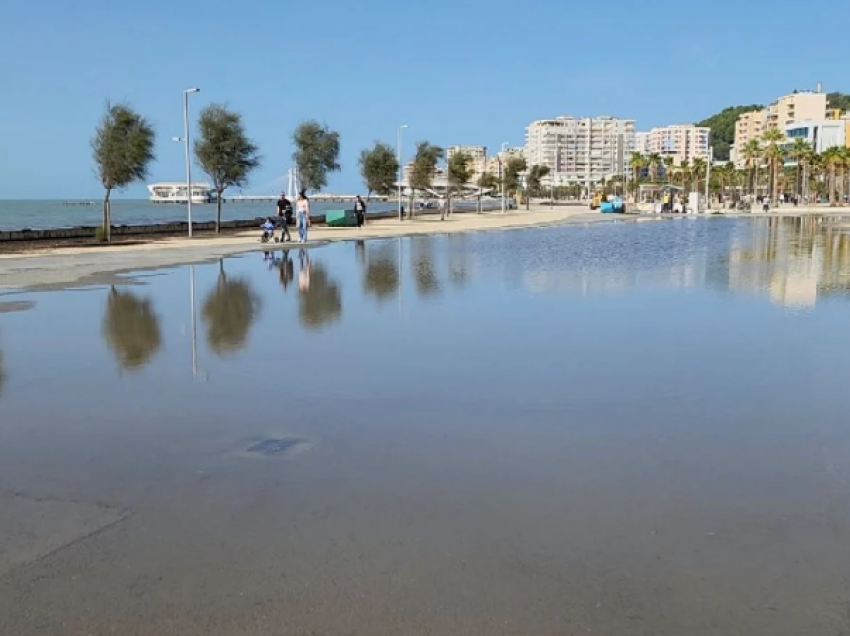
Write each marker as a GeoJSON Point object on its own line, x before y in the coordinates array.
{"type": "Point", "coordinates": [302, 215]}
{"type": "Point", "coordinates": [360, 211]}
{"type": "Point", "coordinates": [284, 216]}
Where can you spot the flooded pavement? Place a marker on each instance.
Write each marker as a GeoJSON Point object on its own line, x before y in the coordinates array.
{"type": "Point", "coordinates": [615, 429]}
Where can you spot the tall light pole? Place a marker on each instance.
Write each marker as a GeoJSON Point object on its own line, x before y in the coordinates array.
{"type": "Point", "coordinates": [708, 177]}
{"type": "Point", "coordinates": [502, 168]}
{"type": "Point", "coordinates": [188, 158]}
{"type": "Point", "coordinates": [400, 171]}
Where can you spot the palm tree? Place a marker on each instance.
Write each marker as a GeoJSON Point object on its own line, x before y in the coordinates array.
{"type": "Point", "coordinates": [698, 170]}
{"type": "Point", "coordinates": [845, 173]}
{"type": "Point", "coordinates": [799, 153]}
{"type": "Point", "coordinates": [685, 173]}
{"type": "Point", "coordinates": [654, 162]}
{"type": "Point", "coordinates": [775, 155]}
{"type": "Point", "coordinates": [637, 162]}
{"type": "Point", "coordinates": [668, 168]}
{"type": "Point", "coordinates": [752, 156]}
{"type": "Point", "coordinates": [832, 160]}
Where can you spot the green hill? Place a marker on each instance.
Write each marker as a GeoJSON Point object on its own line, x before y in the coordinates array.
{"type": "Point", "coordinates": [723, 128]}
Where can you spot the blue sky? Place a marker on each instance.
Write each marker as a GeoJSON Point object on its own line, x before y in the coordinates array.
{"type": "Point", "coordinates": [461, 71]}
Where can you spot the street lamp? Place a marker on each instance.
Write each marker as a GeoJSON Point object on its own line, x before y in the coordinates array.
{"type": "Point", "coordinates": [502, 172]}
{"type": "Point", "coordinates": [400, 171]}
{"type": "Point", "coordinates": [188, 159]}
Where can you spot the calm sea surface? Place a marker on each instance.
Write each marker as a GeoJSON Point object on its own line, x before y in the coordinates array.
{"type": "Point", "coordinates": [16, 215]}
{"type": "Point", "coordinates": [622, 429]}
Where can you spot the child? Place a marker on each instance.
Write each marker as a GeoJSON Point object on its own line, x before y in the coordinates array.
{"type": "Point", "coordinates": [268, 230]}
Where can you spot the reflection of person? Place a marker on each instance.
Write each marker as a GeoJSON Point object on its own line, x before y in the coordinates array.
{"type": "Point", "coordinates": [287, 270]}
{"type": "Point", "coordinates": [284, 217]}
{"type": "Point", "coordinates": [302, 213]}
{"type": "Point", "coordinates": [360, 211]}
{"type": "Point", "coordinates": [304, 271]}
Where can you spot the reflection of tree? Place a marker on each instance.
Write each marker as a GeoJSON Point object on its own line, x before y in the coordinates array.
{"type": "Point", "coordinates": [380, 276]}
{"type": "Point", "coordinates": [2, 373]}
{"type": "Point", "coordinates": [229, 313]}
{"type": "Point", "coordinates": [131, 329]}
{"type": "Point", "coordinates": [458, 259]}
{"type": "Point", "coordinates": [320, 302]}
{"type": "Point", "coordinates": [422, 255]}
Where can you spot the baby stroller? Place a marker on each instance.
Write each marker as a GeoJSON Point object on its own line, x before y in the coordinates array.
{"type": "Point", "coordinates": [268, 231]}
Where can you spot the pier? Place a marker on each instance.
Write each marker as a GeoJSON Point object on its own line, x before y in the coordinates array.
{"type": "Point", "coordinates": [272, 198]}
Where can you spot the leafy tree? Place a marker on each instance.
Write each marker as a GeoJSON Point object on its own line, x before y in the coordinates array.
{"type": "Point", "coordinates": [698, 171]}
{"type": "Point", "coordinates": [229, 311]}
{"type": "Point", "coordinates": [514, 167]}
{"type": "Point", "coordinates": [668, 168]}
{"type": "Point", "coordinates": [488, 181]}
{"type": "Point", "coordinates": [637, 162]}
{"type": "Point", "coordinates": [316, 153]}
{"type": "Point", "coordinates": [840, 101]}
{"type": "Point", "coordinates": [458, 173]}
{"type": "Point", "coordinates": [774, 153]}
{"type": "Point", "coordinates": [131, 329]}
{"type": "Point", "coordinates": [224, 151]}
{"type": "Point", "coordinates": [319, 304]}
{"type": "Point", "coordinates": [654, 163]}
{"type": "Point", "coordinates": [685, 173]}
{"type": "Point", "coordinates": [722, 127]}
{"type": "Point", "coordinates": [424, 168]}
{"type": "Point", "coordinates": [379, 169]}
{"type": "Point", "coordinates": [532, 181]}
{"type": "Point", "coordinates": [123, 148]}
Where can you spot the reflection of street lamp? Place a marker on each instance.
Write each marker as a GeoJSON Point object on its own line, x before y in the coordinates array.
{"type": "Point", "coordinates": [501, 173]}
{"type": "Point", "coordinates": [193, 328]}
{"type": "Point", "coordinates": [188, 159]}
{"type": "Point", "coordinates": [400, 171]}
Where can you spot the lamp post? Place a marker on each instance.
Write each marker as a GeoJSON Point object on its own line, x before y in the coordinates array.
{"type": "Point", "coordinates": [188, 158]}
{"type": "Point", "coordinates": [400, 171]}
{"type": "Point", "coordinates": [502, 173]}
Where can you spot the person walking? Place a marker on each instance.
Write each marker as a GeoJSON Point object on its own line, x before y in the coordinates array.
{"type": "Point", "coordinates": [284, 216]}
{"type": "Point", "coordinates": [302, 215]}
{"type": "Point", "coordinates": [360, 211]}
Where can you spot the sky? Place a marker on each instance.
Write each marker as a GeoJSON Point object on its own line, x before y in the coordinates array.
{"type": "Point", "coordinates": [455, 71]}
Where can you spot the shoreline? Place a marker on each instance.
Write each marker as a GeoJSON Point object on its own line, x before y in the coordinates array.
{"type": "Point", "coordinates": [59, 267]}
{"type": "Point", "coordinates": [74, 266]}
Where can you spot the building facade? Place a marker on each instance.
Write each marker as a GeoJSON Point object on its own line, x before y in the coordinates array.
{"type": "Point", "coordinates": [820, 135]}
{"type": "Point", "coordinates": [642, 143]}
{"type": "Point", "coordinates": [682, 142]}
{"type": "Point", "coordinates": [478, 155]}
{"type": "Point", "coordinates": [580, 151]}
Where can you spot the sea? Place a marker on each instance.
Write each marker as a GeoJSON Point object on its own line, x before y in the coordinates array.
{"type": "Point", "coordinates": [53, 213]}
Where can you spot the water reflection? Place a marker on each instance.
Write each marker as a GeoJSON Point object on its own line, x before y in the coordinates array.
{"type": "Point", "coordinates": [319, 300]}
{"type": "Point", "coordinates": [423, 264]}
{"type": "Point", "coordinates": [229, 312]}
{"type": "Point", "coordinates": [2, 372]}
{"type": "Point", "coordinates": [380, 270]}
{"type": "Point", "coordinates": [794, 260]}
{"type": "Point", "coordinates": [459, 246]}
{"type": "Point", "coordinates": [131, 329]}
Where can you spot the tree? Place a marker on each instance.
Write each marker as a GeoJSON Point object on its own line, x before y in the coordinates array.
{"type": "Point", "coordinates": [532, 181]}
{"type": "Point", "coordinates": [379, 169]}
{"type": "Point", "coordinates": [229, 312]}
{"type": "Point", "coordinates": [775, 154]}
{"type": "Point", "coordinates": [316, 153]}
{"type": "Point", "coordinates": [698, 172]}
{"type": "Point", "coordinates": [637, 162]}
{"type": "Point", "coordinates": [224, 151]}
{"type": "Point", "coordinates": [752, 156]}
{"type": "Point", "coordinates": [131, 329]}
{"type": "Point", "coordinates": [514, 167]}
{"type": "Point", "coordinates": [654, 162]}
{"type": "Point", "coordinates": [722, 127]}
{"type": "Point", "coordinates": [123, 148]}
{"type": "Point", "coordinates": [458, 174]}
{"type": "Point", "coordinates": [424, 167]}
{"type": "Point", "coordinates": [799, 152]}
{"type": "Point", "coordinates": [839, 101]}
{"type": "Point", "coordinates": [685, 173]}
{"type": "Point", "coordinates": [832, 160]}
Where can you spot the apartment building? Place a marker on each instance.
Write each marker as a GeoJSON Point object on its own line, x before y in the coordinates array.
{"type": "Point", "coordinates": [820, 135]}
{"type": "Point", "coordinates": [642, 143]}
{"type": "Point", "coordinates": [682, 142]}
{"type": "Point", "coordinates": [796, 107]}
{"type": "Point", "coordinates": [580, 150]}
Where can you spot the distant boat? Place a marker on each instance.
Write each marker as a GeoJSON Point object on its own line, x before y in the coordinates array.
{"type": "Point", "coordinates": [175, 192]}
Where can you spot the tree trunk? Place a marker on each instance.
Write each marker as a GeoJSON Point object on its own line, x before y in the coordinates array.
{"type": "Point", "coordinates": [831, 185]}
{"type": "Point", "coordinates": [411, 203]}
{"type": "Point", "coordinates": [218, 211]}
{"type": "Point", "coordinates": [107, 217]}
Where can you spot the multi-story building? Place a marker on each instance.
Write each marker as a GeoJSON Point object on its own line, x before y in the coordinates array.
{"type": "Point", "coordinates": [478, 154]}
{"type": "Point", "coordinates": [682, 142]}
{"type": "Point", "coordinates": [580, 150]}
{"type": "Point", "coordinates": [642, 143]}
{"type": "Point", "coordinates": [820, 135]}
{"type": "Point", "coordinates": [797, 107]}
{"type": "Point", "coordinates": [502, 157]}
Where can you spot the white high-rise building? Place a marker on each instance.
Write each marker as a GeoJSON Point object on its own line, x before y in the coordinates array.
{"type": "Point", "coordinates": [682, 142]}
{"type": "Point", "coordinates": [478, 155]}
{"type": "Point", "coordinates": [580, 150]}
{"type": "Point", "coordinates": [642, 143]}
